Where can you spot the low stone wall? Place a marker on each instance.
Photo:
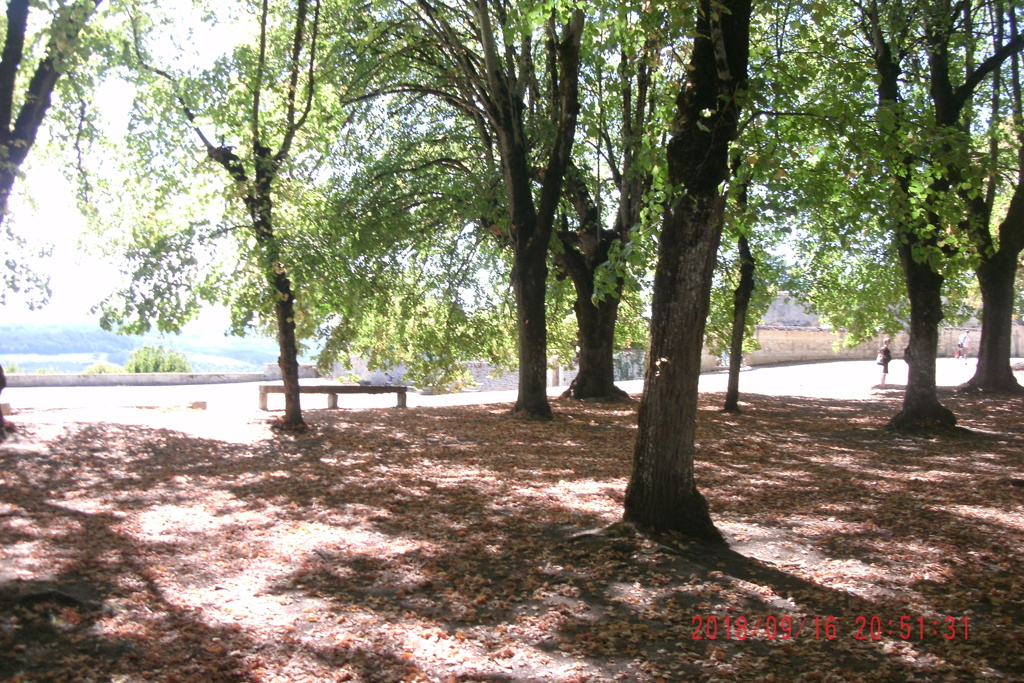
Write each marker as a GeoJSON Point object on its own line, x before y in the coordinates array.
{"type": "Point", "coordinates": [150, 379]}
{"type": "Point", "coordinates": [805, 344]}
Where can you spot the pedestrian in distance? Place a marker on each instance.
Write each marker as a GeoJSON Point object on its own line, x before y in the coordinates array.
{"type": "Point", "coordinates": [884, 356]}
{"type": "Point", "coordinates": [963, 346]}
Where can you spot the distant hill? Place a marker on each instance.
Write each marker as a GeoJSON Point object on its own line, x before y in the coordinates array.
{"type": "Point", "coordinates": [73, 348]}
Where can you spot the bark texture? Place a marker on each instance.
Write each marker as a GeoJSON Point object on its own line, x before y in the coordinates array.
{"type": "Point", "coordinates": [921, 408]}
{"type": "Point", "coordinates": [741, 303]}
{"type": "Point", "coordinates": [662, 493]}
{"type": "Point", "coordinates": [996, 277]}
{"type": "Point", "coordinates": [3, 385]}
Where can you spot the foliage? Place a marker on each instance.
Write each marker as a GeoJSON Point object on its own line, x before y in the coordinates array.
{"type": "Point", "coordinates": [156, 359]}
{"type": "Point", "coordinates": [105, 368]}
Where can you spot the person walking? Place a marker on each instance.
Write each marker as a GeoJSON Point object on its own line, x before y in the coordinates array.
{"type": "Point", "coordinates": [963, 346]}
{"type": "Point", "coordinates": [884, 356]}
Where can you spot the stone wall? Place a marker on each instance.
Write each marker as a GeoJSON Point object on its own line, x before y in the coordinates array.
{"type": "Point", "coordinates": [809, 344]}
{"type": "Point", "coordinates": [148, 379]}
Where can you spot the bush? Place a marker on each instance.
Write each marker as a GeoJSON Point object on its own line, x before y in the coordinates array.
{"type": "Point", "coordinates": [102, 368]}
{"type": "Point", "coordinates": [156, 359]}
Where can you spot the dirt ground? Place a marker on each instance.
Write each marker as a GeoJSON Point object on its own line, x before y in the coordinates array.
{"type": "Point", "coordinates": [452, 543]}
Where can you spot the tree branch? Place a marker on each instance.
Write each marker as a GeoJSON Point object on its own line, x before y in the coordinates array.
{"type": "Point", "coordinates": [965, 91]}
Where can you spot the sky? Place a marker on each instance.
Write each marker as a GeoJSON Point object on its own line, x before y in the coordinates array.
{"type": "Point", "coordinates": [79, 279]}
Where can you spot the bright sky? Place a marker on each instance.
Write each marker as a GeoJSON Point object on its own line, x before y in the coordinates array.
{"type": "Point", "coordinates": [76, 280]}
{"type": "Point", "coordinates": [44, 212]}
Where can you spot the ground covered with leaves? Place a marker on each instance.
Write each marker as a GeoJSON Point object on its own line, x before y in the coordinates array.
{"type": "Point", "coordinates": [458, 544]}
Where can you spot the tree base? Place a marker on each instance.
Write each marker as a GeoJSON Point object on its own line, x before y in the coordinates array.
{"type": "Point", "coordinates": [613, 395]}
{"type": "Point", "coordinates": [284, 425]}
{"type": "Point", "coordinates": [1007, 386]}
{"type": "Point", "coordinates": [937, 419]}
{"type": "Point", "coordinates": [533, 415]}
{"type": "Point", "coordinates": [689, 519]}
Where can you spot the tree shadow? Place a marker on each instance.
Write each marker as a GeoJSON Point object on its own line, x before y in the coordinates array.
{"type": "Point", "coordinates": [446, 543]}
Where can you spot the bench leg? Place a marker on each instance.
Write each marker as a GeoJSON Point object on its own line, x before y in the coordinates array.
{"type": "Point", "coordinates": [263, 400]}
{"type": "Point", "coordinates": [332, 400]}
{"type": "Point", "coordinates": [401, 400]}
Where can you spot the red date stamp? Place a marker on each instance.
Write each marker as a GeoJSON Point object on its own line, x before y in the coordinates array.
{"type": "Point", "coordinates": [772, 627]}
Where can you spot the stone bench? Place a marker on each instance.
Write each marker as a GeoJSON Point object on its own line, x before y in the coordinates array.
{"type": "Point", "coordinates": [332, 391]}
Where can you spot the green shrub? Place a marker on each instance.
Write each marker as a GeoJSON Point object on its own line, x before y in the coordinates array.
{"type": "Point", "coordinates": [102, 368]}
{"type": "Point", "coordinates": [156, 359]}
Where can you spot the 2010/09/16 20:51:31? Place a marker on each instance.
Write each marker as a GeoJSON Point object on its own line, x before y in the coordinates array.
{"type": "Point", "coordinates": [828, 628]}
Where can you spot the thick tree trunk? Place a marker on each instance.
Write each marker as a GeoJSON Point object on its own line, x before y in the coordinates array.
{"type": "Point", "coordinates": [532, 221]}
{"type": "Point", "coordinates": [662, 493]}
{"type": "Point", "coordinates": [741, 302]}
{"type": "Point", "coordinates": [996, 277]}
{"type": "Point", "coordinates": [921, 407]}
{"type": "Point", "coordinates": [529, 283]}
{"type": "Point", "coordinates": [581, 256]}
{"type": "Point", "coordinates": [596, 377]}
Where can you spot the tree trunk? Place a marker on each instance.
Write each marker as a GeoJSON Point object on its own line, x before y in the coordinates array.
{"type": "Point", "coordinates": [3, 385]}
{"type": "Point", "coordinates": [921, 407]}
{"type": "Point", "coordinates": [596, 377]}
{"type": "Point", "coordinates": [582, 254]}
{"type": "Point", "coordinates": [662, 493]}
{"type": "Point", "coordinates": [261, 210]}
{"type": "Point", "coordinates": [741, 302]}
{"type": "Point", "coordinates": [288, 361]}
{"type": "Point", "coordinates": [532, 221]}
{"type": "Point", "coordinates": [529, 283]}
{"type": "Point", "coordinates": [993, 373]}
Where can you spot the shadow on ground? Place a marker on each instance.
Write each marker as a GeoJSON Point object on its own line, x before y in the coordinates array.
{"type": "Point", "coordinates": [456, 544]}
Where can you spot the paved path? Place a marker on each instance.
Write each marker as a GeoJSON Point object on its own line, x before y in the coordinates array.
{"type": "Point", "coordinates": [840, 379]}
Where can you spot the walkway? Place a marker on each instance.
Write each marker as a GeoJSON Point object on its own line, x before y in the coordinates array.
{"type": "Point", "coordinates": [840, 379]}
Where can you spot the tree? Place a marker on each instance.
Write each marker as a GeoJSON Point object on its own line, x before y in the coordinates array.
{"type": "Point", "coordinates": [927, 174]}
{"type": "Point", "coordinates": [482, 57]}
{"type": "Point", "coordinates": [611, 187]}
{"type": "Point", "coordinates": [410, 270]}
{"type": "Point", "coordinates": [998, 255]}
{"type": "Point", "coordinates": [741, 303]}
{"type": "Point", "coordinates": [662, 492]}
{"type": "Point", "coordinates": [26, 93]}
{"type": "Point", "coordinates": [250, 134]}
{"type": "Point", "coordinates": [620, 121]}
